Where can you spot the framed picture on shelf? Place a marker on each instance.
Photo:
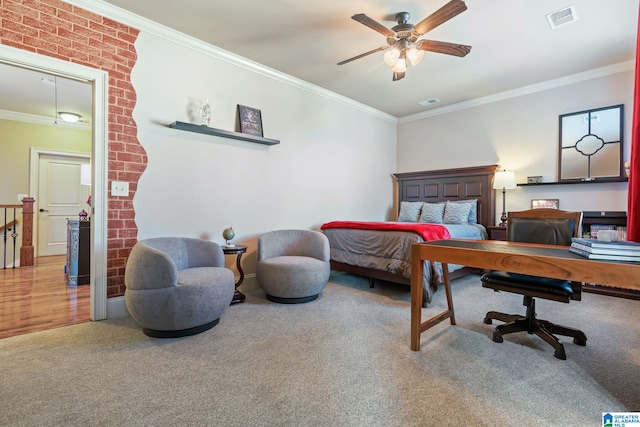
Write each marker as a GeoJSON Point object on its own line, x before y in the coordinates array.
{"type": "Point", "coordinates": [250, 120]}
{"type": "Point", "coordinates": [545, 203]}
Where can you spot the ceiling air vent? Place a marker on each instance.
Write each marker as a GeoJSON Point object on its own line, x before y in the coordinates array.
{"type": "Point", "coordinates": [429, 102]}
{"type": "Point", "coordinates": [562, 17]}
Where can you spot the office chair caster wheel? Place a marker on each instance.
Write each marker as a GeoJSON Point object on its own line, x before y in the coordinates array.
{"type": "Point", "coordinates": [487, 321]}
{"type": "Point", "coordinates": [497, 338]}
{"type": "Point", "coordinates": [579, 341]}
{"type": "Point", "coordinates": [560, 355]}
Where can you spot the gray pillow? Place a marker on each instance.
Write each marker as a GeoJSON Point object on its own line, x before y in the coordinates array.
{"type": "Point", "coordinates": [456, 213]}
{"type": "Point", "coordinates": [432, 213]}
{"type": "Point", "coordinates": [473, 213]}
{"type": "Point", "coordinates": [409, 211]}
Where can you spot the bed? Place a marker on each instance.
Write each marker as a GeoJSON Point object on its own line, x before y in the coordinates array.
{"type": "Point", "coordinates": [382, 251]}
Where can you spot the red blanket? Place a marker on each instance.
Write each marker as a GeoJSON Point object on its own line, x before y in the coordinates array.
{"type": "Point", "coordinates": [426, 231]}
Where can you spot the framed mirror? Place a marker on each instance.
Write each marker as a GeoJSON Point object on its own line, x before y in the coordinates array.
{"type": "Point", "coordinates": [591, 144]}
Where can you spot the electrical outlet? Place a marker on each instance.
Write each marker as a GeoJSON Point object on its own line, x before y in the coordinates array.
{"type": "Point", "coordinates": [22, 196]}
{"type": "Point", "coordinates": [119, 188]}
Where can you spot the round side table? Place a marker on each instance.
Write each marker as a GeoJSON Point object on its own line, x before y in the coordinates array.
{"type": "Point", "coordinates": [238, 250]}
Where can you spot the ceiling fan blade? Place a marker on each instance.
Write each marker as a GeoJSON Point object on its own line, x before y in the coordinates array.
{"type": "Point", "coordinates": [398, 75]}
{"type": "Point", "coordinates": [374, 25]}
{"type": "Point", "coordinates": [444, 47]}
{"type": "Point", "coordinates": [363, 55]}
{"type": "Point", "coordinates": [446, 12]}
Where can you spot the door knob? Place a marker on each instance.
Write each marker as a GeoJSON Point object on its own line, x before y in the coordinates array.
{"type": "Point", "coordinates": [44, 210]}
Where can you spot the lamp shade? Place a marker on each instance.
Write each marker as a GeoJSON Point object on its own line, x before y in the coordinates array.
{"type": "Point", "coordinates": [415, 55]}
{"type": "Point", "coordinates": [391, 56]}
{"type": "Point", "coordinates": [504, 180]}
{"type": "Point", "coordinates": [85, 174]}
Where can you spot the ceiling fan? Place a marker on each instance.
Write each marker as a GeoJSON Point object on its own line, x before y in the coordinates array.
{"type": "Point", "coordinates": [402, 39]}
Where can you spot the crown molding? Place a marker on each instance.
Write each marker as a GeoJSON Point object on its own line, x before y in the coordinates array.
{"type": "Point", "coordinates": [42, 120]}
{"type": "Point", "coordinates": [525, 90]}
{"type": "Point", "coordinates": [143, 24]}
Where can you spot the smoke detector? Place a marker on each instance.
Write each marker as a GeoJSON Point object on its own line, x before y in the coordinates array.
{"type": "Point", "coordinates": [562, 17]}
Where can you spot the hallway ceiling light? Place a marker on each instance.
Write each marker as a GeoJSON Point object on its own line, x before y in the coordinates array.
{"type": "Point", "coordinates": [69, 117]}
{"type": "Point", "coordinates": [64, 115]}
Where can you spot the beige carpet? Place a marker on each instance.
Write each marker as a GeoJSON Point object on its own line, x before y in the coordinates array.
{"type": "Point", "coordinates": [342, 360]}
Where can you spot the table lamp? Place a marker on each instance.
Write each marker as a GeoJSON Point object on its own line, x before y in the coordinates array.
{"type": "Point", "coordinates": [504, 180]}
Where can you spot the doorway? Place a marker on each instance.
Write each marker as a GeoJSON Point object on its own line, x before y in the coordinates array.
{"type": "Point", "coordinates": [99, 82]}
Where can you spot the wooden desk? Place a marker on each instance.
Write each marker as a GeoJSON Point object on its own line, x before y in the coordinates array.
{"type": "Point", "coordinates": [541, 260]}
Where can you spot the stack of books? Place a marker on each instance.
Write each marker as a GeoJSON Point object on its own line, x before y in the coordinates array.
{"type": "Point", "coordinates": [620, 250]}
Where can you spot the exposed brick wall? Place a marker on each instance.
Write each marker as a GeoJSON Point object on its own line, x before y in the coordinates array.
{"type": "Point", "coordinates": [57, 29]}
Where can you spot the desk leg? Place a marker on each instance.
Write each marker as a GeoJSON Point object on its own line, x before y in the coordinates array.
{"type": "Point", "coordinates": [237, 295]}
{"type": "Point", "coordinates": [447, 289]}
{"type": "Point", "coordinates": [416, 302]}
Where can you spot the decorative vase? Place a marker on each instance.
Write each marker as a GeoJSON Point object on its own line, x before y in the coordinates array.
{"type": "Point", "coordinates": [228, 234]}
{"type": "Point", "coordinates": [205, 113]}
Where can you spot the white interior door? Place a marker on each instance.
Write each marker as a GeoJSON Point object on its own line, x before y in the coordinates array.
{"type": "Point", "coordinates": [60, 197]}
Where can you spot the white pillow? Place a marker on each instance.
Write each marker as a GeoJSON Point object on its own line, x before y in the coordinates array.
{"type": "Point", "coordinates": [409, 211]}
{"type": "Point", "coordinates": [456, 213]}
{"type": "Point", "coordinates": [432, 213]}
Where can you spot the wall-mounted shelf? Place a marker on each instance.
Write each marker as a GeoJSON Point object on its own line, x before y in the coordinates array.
{"type": "Point", "coordinates": [594, 181]}
{"type": "Point", "coordinates": [190, 127]}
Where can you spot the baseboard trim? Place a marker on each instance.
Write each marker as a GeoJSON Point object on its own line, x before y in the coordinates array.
{"type": "Point", "coordinates": [116, 309]}
{"type": "Point", "coordinates": [249, 283]}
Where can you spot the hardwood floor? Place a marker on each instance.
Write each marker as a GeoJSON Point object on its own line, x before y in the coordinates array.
{"type": "Point", "coordinates": [38, 298]}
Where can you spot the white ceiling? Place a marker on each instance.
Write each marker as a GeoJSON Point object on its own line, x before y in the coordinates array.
{"type": "Point", "coordinates": [32, 94]}
{"type": "Point", "coordinates": [512, 45]}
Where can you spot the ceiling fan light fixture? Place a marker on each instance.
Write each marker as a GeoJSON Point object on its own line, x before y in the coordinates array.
{"type": "Point", "coordinates": [402, 39]}
{"type": "Point", "coordinates": [401, 65]}
{"type": "Point", "coordinates": [69, 117]}
{"type": "Point", "coordinates": [391, 56]}
{"type": "Point", "coordinates": [415, 55]}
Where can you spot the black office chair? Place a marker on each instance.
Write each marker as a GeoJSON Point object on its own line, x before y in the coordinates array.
{"type": "Point", "coordinates": [548, 226]}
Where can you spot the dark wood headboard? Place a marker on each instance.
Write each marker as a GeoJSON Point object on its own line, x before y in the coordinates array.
{"type": "Point", "coordinates": [452, 184]}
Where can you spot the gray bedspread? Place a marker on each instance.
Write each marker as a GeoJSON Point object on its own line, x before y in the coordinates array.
{"type": "Point", "coordinates": [390, 251]}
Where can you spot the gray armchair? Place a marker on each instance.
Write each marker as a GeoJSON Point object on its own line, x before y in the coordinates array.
{"type": "Point", "coordinates": [177, 286]}
{"type": "Point", "coordinates": [293, 265]}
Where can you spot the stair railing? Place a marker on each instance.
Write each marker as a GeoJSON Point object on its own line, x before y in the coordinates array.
{"type": "Point", "coordinates": [11, 215]}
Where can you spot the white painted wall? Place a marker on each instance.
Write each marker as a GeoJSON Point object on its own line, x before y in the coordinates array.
{"type": "Point", "coordinates": [334, 160]}
{"type": "Point", "coordinates": [520, 134]}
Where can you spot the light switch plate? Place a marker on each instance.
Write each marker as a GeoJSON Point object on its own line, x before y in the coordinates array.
{"type": "Point", "coordinates": [119, 188]}
{"type": "Point", "coordinates": [22, 196]}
